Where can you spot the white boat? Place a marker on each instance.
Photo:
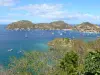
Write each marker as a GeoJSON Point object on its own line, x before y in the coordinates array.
{"type": "Point", "coordinates": [42, 33]}
{"type": "Point", "coordinates": [19, 51]}
{"type": "Point", "coordinates": [67, 29]}
{"type": "Point", "coordinates": [73, 37]}
{"type": "Point", "coordinates": [26, 35]}
{"type": "Point", "coordinates": [61, 34]}
{"type": "Point", "coordinates": [98, 36]}
{"type": "Point", "coordinates": [52, 33]}
{"type": "Point", "coordinates": [9, 50]}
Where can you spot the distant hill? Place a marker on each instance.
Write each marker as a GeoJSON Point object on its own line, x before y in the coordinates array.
{"type": "Point", "coordinates": [42, 26]}
{"type": "Point", "coordinates": [24, 24]}
{"type": "Point", "coordinates": [59, 24]}
{"type": "Point", "coordinates": [87, 27]}
{"type": "Point", "coordinates": [28, 25]}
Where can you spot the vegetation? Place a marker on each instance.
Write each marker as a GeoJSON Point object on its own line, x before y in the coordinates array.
{"type": "Point", "coordinates": [92, 63]}
{"type": "Point", "coordinates": [27, 25]}
{"type": "Point", "coordinates": [69, 63]}
{"type": "Point", "coordinates": [31, 63]}
{"type": "Point", "coordinates": [24, 24]}
{"type": "Point", "coordinates": [87, 27]}
{"type": "Point", "coordinates": [65, 57]}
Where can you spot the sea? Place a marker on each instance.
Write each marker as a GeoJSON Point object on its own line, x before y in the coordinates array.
{"type": "Point", "coordinates": [14, 43]}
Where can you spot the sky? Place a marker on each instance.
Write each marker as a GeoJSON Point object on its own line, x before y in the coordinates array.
{"type": "Point", "coordinates": [38, 11]}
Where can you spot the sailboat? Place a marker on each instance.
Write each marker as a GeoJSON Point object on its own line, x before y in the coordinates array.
{"type": "Point", "coordinates": [61, 34]}
{"type": "Point", "coordinates": [26, 35]}
{"type": "Point", "coordinates": [52, 33]}
{"type": "Point", "coordinates": [10, 50]}
{"type": "Point", "coordinates": [20, 50]}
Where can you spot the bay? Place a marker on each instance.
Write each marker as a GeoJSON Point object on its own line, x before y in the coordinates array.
{"type": "Point", "coordinates": [13, 43]}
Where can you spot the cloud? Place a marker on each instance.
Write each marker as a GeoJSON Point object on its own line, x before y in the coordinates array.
{"type": "Point", "coordinates": [53, 11]}
{"type": "Point", "coordinates": [84, 16]}
{"type": "Point", "coordinates": [15, 14]}
{"type": "Point", "coordinates": [42, 10]}
{"type": "Point", "coordinates": [8, 2]}
{"type": "Point", "coordinates": [7, 20]}
{"type": "Point", "coordinates": [43, 7]}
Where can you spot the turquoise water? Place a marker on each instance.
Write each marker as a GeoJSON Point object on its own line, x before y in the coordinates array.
{"type": "Point", "coordinates": [13, 43]}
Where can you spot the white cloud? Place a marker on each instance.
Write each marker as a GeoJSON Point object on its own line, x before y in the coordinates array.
{"type": "Point", "coordinates": [43, 10]}
{"type": "Point", "coordinates": [7, 20]}
{"type": "Point", "coordinates": [8, 2]}
{"type": "Point", "coordinates": [85, 16]}
{"type": "Point", "coordinates": [43, 7]}
{"type": "Point", "coordinates": [15, 14]}
{"type": "Point", "coordinates": [53, 12]}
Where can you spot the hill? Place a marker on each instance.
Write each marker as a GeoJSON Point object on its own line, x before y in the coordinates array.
{"type": "Point", "coordinates": [60, 25]}
{"type": "Point", "coordinates": [87, 27]}
{"type": "Point", "coordinates": [24, 24]}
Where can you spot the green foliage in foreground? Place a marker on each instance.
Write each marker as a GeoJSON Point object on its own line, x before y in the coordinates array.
{"type": "Point", "coordinates": [92, 63]}
{"type": "Point", "coordinates": [67, 57]}
{"type": "Point", "coordinates": [30, 64]}
{"type": "Point", "coordinates": [69, 63]}
{"type": "Point", "coordinates": [36, 63]}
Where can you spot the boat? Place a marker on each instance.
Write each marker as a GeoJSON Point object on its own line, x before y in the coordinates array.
{"type": "Point", "coordinates": [19, 51]}
{"type": "Point", "coordinates": [52, 33]}
{"type": "Point", "coordinates": [26, 35]}
{"type": "Point", "coordinates": [73, 37]}
{"type": "Point", "coordinates": [61, 34]}
{"type": "Point", "coordinates": [98, 36]}
{"type": "Point", "coordinates": [9, 50]}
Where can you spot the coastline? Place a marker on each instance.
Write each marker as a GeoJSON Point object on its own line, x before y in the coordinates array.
{"type": "Point", "coordinates": [90, 32]}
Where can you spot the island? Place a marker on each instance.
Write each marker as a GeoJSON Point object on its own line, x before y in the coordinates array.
{"type": "Point", "coordinates": [21, 25]}
{"type": "Point", "coordinates": [56, 25]}
{"type": "Point", "coordinates": [87, 27]}
{"type": "Point", "coordinates": [28, 25]}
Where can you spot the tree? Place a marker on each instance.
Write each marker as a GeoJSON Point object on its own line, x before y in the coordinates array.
{"type": "Point", "coordinates": [31, 63]}
{"type": "Point", "coordinates": [92, 63]}
{"type": "Point", "coordinates": [69, 63]}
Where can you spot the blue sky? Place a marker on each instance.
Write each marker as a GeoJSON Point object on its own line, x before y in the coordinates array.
{"type": "Point", "coordinates": [70, 11]}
